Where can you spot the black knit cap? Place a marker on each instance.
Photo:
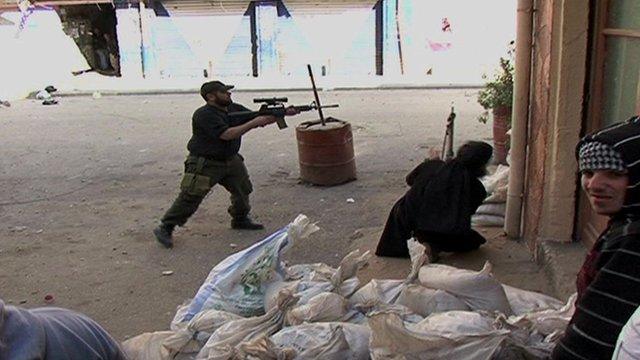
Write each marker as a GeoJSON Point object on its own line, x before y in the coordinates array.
{"type": "Point", "coordinates": [623, 139]}
{"type": "Point", "coordinates": [213, 86]}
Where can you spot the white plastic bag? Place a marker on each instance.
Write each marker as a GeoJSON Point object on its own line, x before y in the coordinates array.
{"type": "Point", "coordinates": [222, 343]}
{"type": "Point", "coordinates": [480, 290]}
{"type": "Point", "coordinates": [237, 284]}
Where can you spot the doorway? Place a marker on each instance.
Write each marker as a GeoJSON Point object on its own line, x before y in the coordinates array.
{"type": "Point", "coordinates": [93, 29]}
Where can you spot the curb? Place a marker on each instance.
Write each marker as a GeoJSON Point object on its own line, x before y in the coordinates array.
{"type": "Point", "coordinates": [561, 262]}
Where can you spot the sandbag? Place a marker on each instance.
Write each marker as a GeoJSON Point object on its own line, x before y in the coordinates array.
{"type": "Point", "coordinates": [424, 301]}
{"type": "Point", "coordinates": [342, 281]}
{"type": "Point", "coordinates": [497, 181]}
{"type": "Point", "coordinates": [312, 272]}
{"type": "Point", "coordinates": [325, 341]}
{"type": "Point", "coordinates": [324, 307]}
{"type": "Point", "coordinates": [497, 209]}
{"type": "Point", "coordinates": [479, 290]}
{"type": "Point", "coordinates": [148, 346]}
{"type": "Point", "coordinates": [237, 284]}
{"type": "Point", "coordinates": [523, 301]}
{"type": "Point", "coordinates": [387, 291]}
{"type": "Point", "coordinates": [450, 335]}
{"type": "Point", "coordinates": [222, 343]}
{"type": "Point", "coordinates": [549, 322]}
{"type": "Point", "coordinates": [192, 337]}
{"type": "Point", "coordinates": [368, 309]}
{"type": "Point", "coordinates": [487, 220]}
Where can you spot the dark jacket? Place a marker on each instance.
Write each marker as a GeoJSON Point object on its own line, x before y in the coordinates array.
{"type": "Point", "coordinates": [53, 334]}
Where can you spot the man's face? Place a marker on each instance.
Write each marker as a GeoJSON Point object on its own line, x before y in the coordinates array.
{"type": "Point", "coordinates": [605, 189]}
{"type": "Point", "coordinates": [221, 98]}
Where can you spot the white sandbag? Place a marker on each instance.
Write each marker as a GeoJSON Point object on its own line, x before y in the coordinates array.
{"type": "Point", "coordinates": [312, 340]}
{"type": "Point", "coordinates": [550, 322]}
{"type": "Point", "coordinates": [497, 209]}
{"type": "Point", "coordinates": [263, 349]}
{"type": "Point", "coordinates": [424, 301]}
{"type": "Point", "coordinates": [222, 343]}
{"type": "Point", "coordinates": [237, 284]}
{"type": "Point", "coordinates": [148, 346]}
{"type": "Point", "coordinates": [450, 335]}
{"type": "Point", "coordinates": [343, 281]}
{"type": "Point", "coordinates": [177, 322]}
{"type": "Point", "coordinates": [387, 291]}
{"type": "Point", "coordinates": [499, 179]}
{"type": "Point", "coordinates": [523, 301]}
{"type": "Point", "coordinates": [369, 309]}
{"type": "Point", "coordinates": [312, 272]}
{"type": "Point", "coordinates": [192, 337]}
{"type": "Point", "coordinates": [487, 220]}
{"type": "Point", "coordinates": [479, 290]}
{"type": "Point", "coordinates": [324, 307]}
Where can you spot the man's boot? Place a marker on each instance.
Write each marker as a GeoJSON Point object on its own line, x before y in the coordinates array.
{"type": "Point", "coordinates": [245, 223]}
{"type": "Point", "coordinates": [163, 235]}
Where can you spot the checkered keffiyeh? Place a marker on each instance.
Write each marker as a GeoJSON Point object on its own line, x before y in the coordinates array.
{"type": "Point", "coordinates": [616, 147]}
{"type": "Point", "coordinates": [598, 156]}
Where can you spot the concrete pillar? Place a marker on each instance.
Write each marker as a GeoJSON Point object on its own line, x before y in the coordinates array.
{"type": "Point", "coordinates": [129, 42]}
{"type": "Point", "coordinates": [267, 39]}
{"type": "Point", "coordinates": [567, 76]}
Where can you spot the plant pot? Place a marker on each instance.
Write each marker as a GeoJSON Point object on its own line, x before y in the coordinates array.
{"type": "Point", "coordinates": [501, 121]}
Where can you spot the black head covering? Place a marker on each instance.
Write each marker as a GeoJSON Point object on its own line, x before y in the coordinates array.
{"type": "Point", "coordinates": [445, 202]}
{"type": "Point", "coordinates": [609, 149]}
{"type": "Point", "coordinates": [474, 155]}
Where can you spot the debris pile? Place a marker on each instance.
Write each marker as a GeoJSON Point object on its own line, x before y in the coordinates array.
{"type": "Point", "coordinates": [253, 306]}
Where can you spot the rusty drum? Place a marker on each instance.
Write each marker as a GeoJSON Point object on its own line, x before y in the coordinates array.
{"type": "Point", "coordinates": [325, 152]}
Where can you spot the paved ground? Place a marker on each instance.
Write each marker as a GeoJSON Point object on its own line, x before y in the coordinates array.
{"type": "Point", "coordinates": [83, 183]}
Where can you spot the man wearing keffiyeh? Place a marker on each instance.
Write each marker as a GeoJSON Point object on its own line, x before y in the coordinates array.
{"type": "Point", "coordinates": [608, 283]}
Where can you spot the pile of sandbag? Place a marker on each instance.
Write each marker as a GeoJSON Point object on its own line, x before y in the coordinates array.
{"type": "Point", "coordinates": [492, 210]}
{"type": "Point", "coordinates": [253, 306]}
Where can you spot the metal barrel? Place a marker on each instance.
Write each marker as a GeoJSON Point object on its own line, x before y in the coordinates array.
{"type": "Point", "coordinates": [325, 152]}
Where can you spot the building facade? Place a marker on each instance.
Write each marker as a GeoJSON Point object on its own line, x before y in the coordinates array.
{"type": "Point", "coordinates": [415, 41]}
{"type": "Point", "coordinates": [584, 75]}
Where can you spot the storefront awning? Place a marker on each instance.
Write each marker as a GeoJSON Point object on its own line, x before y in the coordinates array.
{"type": "Point", "coordinates": [238, 7]}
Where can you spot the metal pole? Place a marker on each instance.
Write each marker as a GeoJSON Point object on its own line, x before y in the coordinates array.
{"type": "Point", "coordinates": [315, 94]}
{"type": "Point", "coordinates": [517, 165]}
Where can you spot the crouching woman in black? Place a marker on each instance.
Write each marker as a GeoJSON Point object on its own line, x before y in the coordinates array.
{"type": "Point", "coordinates": [437, 209]}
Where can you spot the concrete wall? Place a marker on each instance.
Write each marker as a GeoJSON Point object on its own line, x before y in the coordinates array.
{"type": "Point", "coordinates": [559, 72]}
{"type": "Point", "coordinates": [40, 54]}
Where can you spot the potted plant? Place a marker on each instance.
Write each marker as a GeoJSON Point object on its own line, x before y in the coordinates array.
{"type": "Point", "coordinates": [497, 96]}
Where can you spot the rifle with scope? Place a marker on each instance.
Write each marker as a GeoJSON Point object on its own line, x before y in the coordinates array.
{"type": "Point", "coordinates": [275, 106]}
